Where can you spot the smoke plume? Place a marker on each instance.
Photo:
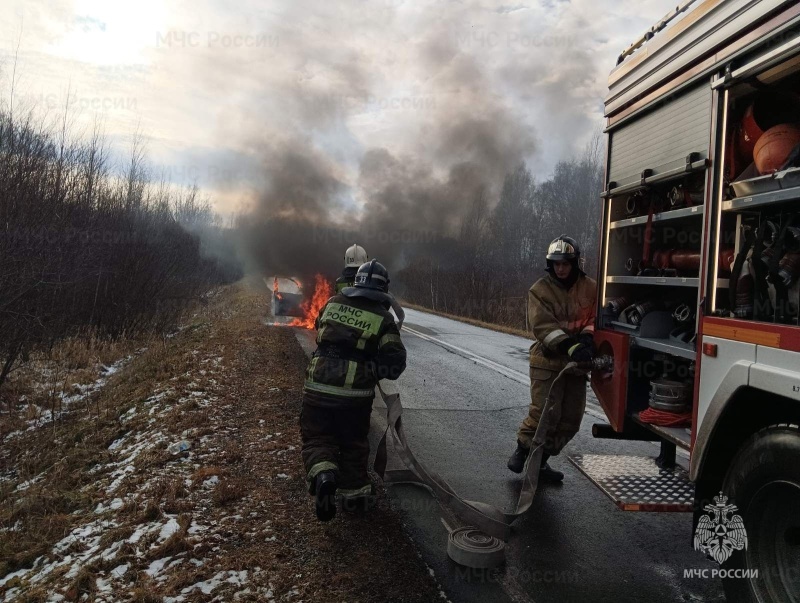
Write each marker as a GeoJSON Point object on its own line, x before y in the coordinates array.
{"type": "Point", "coordinates": [380, 123]}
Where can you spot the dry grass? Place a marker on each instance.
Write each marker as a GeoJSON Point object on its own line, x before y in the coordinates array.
{"type": "Point", "coordinates": [173, 545]}
{"type": "Point", "coordinates": [217, 380]}
{"type": "Point", "coordinates": [86, 351]}
{"type": "Point", "coordinates": [204, 473]}
{"type": "Point", "coordinates": [228, 491]}
{"type": "Point", "coordinates": [144, 595]}
{"type": "Point", "coordinates": [83, 584]}
{"type": "Point", "coordinates": [35, 595]}
{"type": "Point", "coordinates": [116, 534]}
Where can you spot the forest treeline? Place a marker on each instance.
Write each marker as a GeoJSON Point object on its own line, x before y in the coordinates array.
{"type": "Point", "coordinates": [485, 270]}
{"type": "Point", "coordinates": [87, 249]}
{"type": "Point", "coordinates": [84, 251]}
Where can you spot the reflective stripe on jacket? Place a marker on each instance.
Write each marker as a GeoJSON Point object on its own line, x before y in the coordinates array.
{"type": "Point", "coordinates": [358, 343]}
{"type": "Point", "coordinates": [557, 313]}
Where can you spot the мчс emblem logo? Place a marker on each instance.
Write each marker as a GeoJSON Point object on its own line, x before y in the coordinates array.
{"type": "Point", "coordinates": [721, 531]}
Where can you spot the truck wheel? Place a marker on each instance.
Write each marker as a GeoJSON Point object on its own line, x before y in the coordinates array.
{"type": "Point", "coordinates": [763, 481]}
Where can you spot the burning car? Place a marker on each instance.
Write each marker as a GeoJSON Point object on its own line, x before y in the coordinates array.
{"type": "Point", "coordinates": [287, 297]}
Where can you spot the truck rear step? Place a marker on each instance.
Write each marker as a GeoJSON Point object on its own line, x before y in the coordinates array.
{"type": "Point", "coordinates": [637, 483]}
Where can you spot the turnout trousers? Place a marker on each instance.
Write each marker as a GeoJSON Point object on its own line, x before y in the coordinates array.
{"type": "Point", "coordinates": [335, 438]}
{"type": "Point", "coordinates": [571, 391]}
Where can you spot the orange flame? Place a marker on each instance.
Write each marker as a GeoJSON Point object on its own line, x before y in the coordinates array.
{"type": "Point", "coordinates": [322, 293]}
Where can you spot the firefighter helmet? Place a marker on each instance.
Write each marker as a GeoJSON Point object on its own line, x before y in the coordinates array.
{"type": "Point", "coordinates": [372, 275]}
{"type": "Point", "coordinates": [563, 248]}
{"type": "Point", "coordinates": [355, 256]}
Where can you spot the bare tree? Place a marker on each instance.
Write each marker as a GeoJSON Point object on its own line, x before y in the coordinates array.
{"type": "Point", "coordinates": [84, 252]}
{"type": "Point", "coordinates": [485, 271]}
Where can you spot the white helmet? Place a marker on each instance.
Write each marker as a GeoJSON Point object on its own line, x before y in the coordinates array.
{"type": "Point", "coordinates": [355, 256]}
{"type": "Point", "coordinates": [563, 248]}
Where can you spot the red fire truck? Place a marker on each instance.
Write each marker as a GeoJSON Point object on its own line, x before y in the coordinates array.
{"type": "Point", "coordinates": [698, 285]}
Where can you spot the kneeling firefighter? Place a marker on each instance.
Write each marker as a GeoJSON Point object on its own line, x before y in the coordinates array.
{"type": "Point", "coordinates": [358, 344]}
{"type": "Point", "coordinates": [561, 308]}
{"type": "Point", "coordinates": [354, 257]}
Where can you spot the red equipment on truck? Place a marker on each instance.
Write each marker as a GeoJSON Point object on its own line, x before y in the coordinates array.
{"type": "Point", "coordinates": [698, 285]}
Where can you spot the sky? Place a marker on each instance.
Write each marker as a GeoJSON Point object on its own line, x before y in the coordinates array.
{"type": "Point", "coordinates": [242, 97]}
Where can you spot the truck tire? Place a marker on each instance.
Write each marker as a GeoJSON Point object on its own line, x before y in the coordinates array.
{"type": "Point", "coordinates": [763, 481]}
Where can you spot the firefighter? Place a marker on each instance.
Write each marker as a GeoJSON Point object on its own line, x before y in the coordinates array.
{"type": "Point", "coordinates": [561, 306]}
{"type": "Point", "coordinates": [354, 257]}
{"type": "Point", "coordinates": [358, 344]}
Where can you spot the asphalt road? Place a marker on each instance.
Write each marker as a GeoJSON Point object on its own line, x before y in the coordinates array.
{"type": "Point", "coordinates": [464, 393]}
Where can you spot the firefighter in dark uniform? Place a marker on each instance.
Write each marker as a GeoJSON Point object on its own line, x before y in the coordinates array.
{"type": "Point", "coordinates": [358, 344]}
{"type": "Point", "coordinates": [561, 307]}
{"type": "Point", "coordinates": [354, 257]}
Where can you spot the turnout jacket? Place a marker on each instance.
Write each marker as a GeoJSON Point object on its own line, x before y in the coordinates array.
{"type": "Point", "coordinates": [358, 343]}
{"type": "Point", "coordinates": [347, 279]}
{"type": "Point", "coordinates": [557, 313]}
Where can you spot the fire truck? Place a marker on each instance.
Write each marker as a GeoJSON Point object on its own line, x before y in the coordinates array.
{"type": "Point", "coordinates": [698, 285]}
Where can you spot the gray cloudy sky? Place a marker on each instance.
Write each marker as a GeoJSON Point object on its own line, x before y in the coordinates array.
{"type": "Point", "coordinates": [328, 102]}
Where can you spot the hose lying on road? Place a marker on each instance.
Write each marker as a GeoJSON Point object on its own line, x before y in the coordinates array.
{"type": "Point", "coordinates": [471, 547]}
{"type": "Point", "coordinates": [469, 544]}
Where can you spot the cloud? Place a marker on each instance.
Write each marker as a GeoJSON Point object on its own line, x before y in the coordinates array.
{"type": "Point", "coordinates": [349, 114]}
{"type": "Point", "coordinates": [88, 24]}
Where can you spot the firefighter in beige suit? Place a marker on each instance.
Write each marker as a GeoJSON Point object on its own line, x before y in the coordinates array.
{"type": "Point", "coordinates": [561, 307]}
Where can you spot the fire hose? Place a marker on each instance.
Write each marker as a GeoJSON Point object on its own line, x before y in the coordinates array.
{"type": "Point", "coordinates": [665, 418]}
{"type": "Point", "coordinates": [398, 310]}
{"type": "Point", "coordinates": [481, 544]}
{"type": "Point", "coordinates": [682, 260]}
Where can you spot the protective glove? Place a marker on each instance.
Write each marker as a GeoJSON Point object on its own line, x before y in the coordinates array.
{"type": "Point", "coordinates": [586, 339]}
{"type": "Point", "coordinates": [580, 352]}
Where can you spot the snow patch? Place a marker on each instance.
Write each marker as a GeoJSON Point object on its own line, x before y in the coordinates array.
{"type": "Point", "coordinates": [27, 484]}
{"type": "Point", "coordinates": [120, 570]}
{"type": "Point", "coordinates": [103, 586]}
{"type": "Point", "coordinates": [208, 586]}
{"type": "Point", "coordinates": [169, 528]}
{"type": "Point", "coordinates": [156, 567]}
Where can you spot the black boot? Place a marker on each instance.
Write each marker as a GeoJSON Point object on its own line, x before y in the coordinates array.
{"type": "Point", "coordinates": [516, 462]}
{"type": "Point", "coordinates": [325, 495]}
{"type": "Point", "coordinates": [547, 473]}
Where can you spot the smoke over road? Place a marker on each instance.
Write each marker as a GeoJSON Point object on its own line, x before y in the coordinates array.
{"type": "Point", "coordinates": [330, 121]}
{"type": "Point", "coordinates": [396, 200]}
{"type": "Point", "coordinates": [380, 123]}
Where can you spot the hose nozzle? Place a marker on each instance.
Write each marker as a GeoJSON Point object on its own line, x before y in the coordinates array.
{"type": "Point", "coordinates": [600, 363]}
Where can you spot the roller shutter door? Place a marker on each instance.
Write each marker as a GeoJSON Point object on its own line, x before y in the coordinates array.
{"type": "Point", "coordinates": [661, 139]}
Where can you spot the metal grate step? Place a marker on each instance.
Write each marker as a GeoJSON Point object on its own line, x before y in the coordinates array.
{"type": "Point", "coordinates": [636, 483]}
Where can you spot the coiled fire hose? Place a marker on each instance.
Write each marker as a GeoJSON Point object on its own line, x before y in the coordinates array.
{"type": "Point", "coordinates": [665, 418]}
{"type": "Point", "coordinates": [480, 544]}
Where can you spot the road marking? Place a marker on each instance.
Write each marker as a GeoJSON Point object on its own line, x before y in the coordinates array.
{"type": "Point", "coordinates": [517, 376]}
{"type": "Point", "coordinates": [592, 409]}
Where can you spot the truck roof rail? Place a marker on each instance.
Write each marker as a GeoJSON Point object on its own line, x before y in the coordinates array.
{"type": "Point", "coordinates": [662, 23]}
